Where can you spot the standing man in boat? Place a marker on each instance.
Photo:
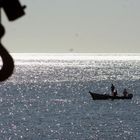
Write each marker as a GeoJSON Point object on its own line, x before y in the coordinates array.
{"type": "Point", "coordinates": [112, 88]}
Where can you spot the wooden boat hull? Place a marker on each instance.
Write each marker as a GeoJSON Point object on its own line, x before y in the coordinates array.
{"type": "Point", "coordinates": [96, 96]}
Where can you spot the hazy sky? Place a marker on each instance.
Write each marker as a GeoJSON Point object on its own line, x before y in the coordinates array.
{"type": "Point", "coordinates": [75, 26]}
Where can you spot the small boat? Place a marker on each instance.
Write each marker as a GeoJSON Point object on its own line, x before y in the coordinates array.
{"type": "Point", "coordinates": [96, 96]}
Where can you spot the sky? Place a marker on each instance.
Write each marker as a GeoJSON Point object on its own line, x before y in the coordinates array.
{"type": "Point", "coordinates": [75, 26]}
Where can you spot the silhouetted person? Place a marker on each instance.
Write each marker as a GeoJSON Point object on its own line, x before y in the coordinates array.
{"type": "Point", "coordinates": [125, 93]}
{"type": "Point", "coordinates": [115, 93]}
{"type": "Point", "coordinates": [112, 88]}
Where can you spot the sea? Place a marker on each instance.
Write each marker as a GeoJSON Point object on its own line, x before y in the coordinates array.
{"type": "Point", "coordinates": [47, 97]}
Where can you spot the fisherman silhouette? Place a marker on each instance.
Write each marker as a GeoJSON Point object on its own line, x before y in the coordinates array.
{"type": "Point", "coordinates": [13, 10]}
{"type": "Point", "coordinates": [112, 88]}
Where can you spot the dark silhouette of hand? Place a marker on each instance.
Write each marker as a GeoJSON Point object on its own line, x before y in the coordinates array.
{"type": "Point", "coordinates": [8, 63]}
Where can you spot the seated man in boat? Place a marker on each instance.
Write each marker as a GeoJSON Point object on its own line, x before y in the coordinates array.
{"type": "Point", "coordinates": [114, 93]}
{"type": "Point", "coordinates": [125, 93]}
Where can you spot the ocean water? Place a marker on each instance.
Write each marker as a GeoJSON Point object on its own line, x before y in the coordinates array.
{"type": "Point", "coordinates": [47, 98]}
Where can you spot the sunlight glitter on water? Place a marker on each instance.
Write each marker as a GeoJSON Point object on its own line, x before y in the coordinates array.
{"type": "Point", "coordinates": [52, 102]}
{"type": "Point", "coordinates": [77, 56]}
{"type": "Point", "coordinates": [54, 58]}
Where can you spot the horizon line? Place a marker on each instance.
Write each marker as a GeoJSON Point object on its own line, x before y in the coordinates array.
{"type": "Point", "coordinates": [81, 54]}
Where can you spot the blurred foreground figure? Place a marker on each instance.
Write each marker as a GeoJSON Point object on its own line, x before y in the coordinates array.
{"type": "Point", "coordinates": [13, 11]}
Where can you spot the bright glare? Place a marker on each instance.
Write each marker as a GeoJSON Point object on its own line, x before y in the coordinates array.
{"type": "Point", "coordinates": [76, 56]}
